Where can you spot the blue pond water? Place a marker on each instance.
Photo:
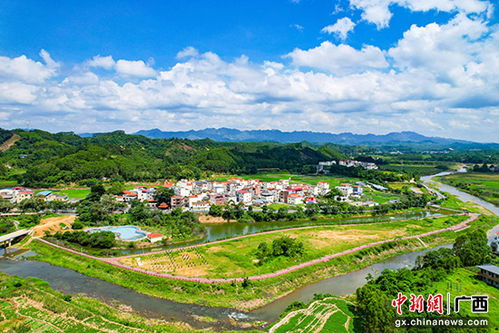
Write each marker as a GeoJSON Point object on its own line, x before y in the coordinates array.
{"type": "Point", "coordinates": [126, 233]}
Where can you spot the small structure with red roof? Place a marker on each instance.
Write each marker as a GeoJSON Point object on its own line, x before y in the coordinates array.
{"type": "Point", "coordinates": [154, 237]}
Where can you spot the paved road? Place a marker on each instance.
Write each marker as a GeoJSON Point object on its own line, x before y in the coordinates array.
{"type": "Point", "coordinates": [115, 261]}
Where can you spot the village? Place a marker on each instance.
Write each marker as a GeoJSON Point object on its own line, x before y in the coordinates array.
{"type": "Point", "coordinates": [199, 195]}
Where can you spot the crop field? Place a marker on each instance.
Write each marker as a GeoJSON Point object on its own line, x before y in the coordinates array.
{"type": "Point", "coordinates": [29, 305]}
{"type": "Point", "coordinates": [326, 315]}
{"type": "Point", "coordinates": [74, 193]}
{"type": "Point", "coordinates": [379, 197]}
{"type": "Point", "coordinates": [483, 185]}
{"type": "Point", "coordinates": [297, 179]}
{"type": "Point", "coordinates": [237, 258]}
{"type": "Point", "coordinates": [421, 169]}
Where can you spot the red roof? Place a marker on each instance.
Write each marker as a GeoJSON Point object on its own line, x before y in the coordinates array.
{"type": "Point", "coordinates": [163, 205]}
{"type": "Point", "coordinates": [154, 235]}
{"type": "Point", "coordinates": [243, 191]}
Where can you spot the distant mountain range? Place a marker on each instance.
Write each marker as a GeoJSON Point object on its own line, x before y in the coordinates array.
{"type": "Point", "coordinates": [234, 135]}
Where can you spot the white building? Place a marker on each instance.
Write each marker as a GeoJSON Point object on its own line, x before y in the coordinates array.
{"type": "Point", "coordinates": [243, 196]}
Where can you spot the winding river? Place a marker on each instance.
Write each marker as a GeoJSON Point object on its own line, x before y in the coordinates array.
{"type": "Point", "coordinates": [68, 281]}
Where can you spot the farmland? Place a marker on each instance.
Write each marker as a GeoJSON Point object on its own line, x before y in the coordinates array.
{"type": "Point", "coordinates": [236, 258]}
{"type": "Point", "coordinates": [328, 314]}
{"type": "Point", "coordinates": [483, 185]}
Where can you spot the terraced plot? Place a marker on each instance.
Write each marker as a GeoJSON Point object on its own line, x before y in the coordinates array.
{"type": "Point", "coordinates": [326, 315]}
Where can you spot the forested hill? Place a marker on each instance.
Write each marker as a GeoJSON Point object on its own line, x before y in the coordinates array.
{"type": "Point", "coordinates": [40, 158]}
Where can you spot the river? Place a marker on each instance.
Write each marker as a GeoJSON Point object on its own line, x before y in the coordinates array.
{"type": "Point", "coordinates": [68, 281]}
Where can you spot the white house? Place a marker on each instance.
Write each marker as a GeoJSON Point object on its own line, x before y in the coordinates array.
{"type": "Point", "coordinates": [243, 196]}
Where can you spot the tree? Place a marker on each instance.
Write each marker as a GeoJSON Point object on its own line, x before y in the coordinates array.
{"type": "Point", "coordinates": [263, 252]}
{"type": "Point", "coordinates": [96, 191]}
{"type": "Point", "coordinates": [216, 210]}
{"type": "Point", "coordinates": [116, 188]}
{"type": "Point", "coordinates": [286, 246]}
{"type": "Point", "coordinates": [375, 309]}
{"type": "Point", "coordinates": [472, 248]}
{"type": "Point", "coordinates": [164, 195]}
{"type": "Point", "coordinates": [441, 258]}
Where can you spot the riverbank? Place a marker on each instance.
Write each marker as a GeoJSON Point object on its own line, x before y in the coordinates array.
{"type": "Point", "coordinates": [235, 295]}
{"type": "Point", "coordinates": [31, 305]}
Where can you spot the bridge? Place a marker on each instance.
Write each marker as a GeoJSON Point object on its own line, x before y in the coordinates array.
{"type": "Point", "coordinates": [6, 240]}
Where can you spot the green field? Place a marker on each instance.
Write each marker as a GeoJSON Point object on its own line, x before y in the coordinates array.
{"type": "Point", "coordinates": [483, 185]}
{"type": "Point", "coordinates": [29, 305]}
{"type": "Point", "coordinates": [330, 314]}
{"type": "Point", "coordinates": [421, 169]}
{"type": "Point", "coordinates": [296, 179]}
{"type": "Point", "coordinates": [379, 197]}
{"type": "Point", "coordinates": [74, 193]}
{"type": "Point", "coordinates": [237, 258]}
{"type": "Point", "coordinates": [464, 282]}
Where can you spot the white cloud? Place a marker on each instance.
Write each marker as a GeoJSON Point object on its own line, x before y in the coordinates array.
{"type": "Point", "coordinates": [341, 28]}
{"type": "Point", "coordinates": [378, 11]}
{"type": "Point", "coordinates": [187, 53]}
{"type": "Point", "coordinates": [438, 79]}
{"type": "Point", "coordinates": [297, 27]}
{"type": "Point", "coordinates": [339, 59]}
{"type": "Point", "coordinates": [26, 70]}
{"type": "Point", "coordinates": [102, 62]}
{"type": "Point", "coordinates": [134, 68]}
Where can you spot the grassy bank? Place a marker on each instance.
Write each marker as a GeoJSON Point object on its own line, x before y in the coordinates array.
{"type": "Point", "coordinates": [258, 293]}
{"type": "Point", "coordinates": [482, 185]}
{"type": "Point", "coordinates": [236, 258]}
{"type": "Point", "coordinates": [30, 305]}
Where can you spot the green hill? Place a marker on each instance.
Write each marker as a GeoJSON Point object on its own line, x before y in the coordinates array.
{"type": "Point", "coordinates": [40, 158]}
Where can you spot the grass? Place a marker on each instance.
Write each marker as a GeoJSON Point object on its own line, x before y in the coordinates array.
{"type": "Point", "coordinates": [483, 185]}
{"type": "Point", "coordinates": [258, 293]}
{"type": "Point", "coordinates": [379, 197]}
{"type": "Point", "coordinates": [29, 305]}
{"type": "Point", "coordinates": [236, 258]}
{"type": "Point", "coordinates": [421, 169]}
{"type": "Point", "coordinates": [74, 193]}
{"type": "Point", "coordinates": [464, 282]}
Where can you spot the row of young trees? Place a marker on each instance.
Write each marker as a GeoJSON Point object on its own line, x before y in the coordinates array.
{"type": "Point", "coordinates": [374, 298]}
{"type": "Point", "coordinates": [328, 206]}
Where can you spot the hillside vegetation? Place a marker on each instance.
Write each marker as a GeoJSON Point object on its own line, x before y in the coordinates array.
{"type": "Point", "coordinates": [45, 159]}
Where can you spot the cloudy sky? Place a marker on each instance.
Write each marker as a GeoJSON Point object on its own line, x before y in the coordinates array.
{"type": "Point", "coordinates": [361, 66]}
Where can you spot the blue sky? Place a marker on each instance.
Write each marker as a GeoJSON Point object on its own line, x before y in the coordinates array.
{"type": "Point", "coordinates": [355, 65]}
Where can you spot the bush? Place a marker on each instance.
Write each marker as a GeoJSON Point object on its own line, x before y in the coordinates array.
{"type": "Point", "coordinates": [101, 239]}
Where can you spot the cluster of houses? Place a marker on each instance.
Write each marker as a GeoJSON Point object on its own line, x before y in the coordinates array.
{"type": "Point", "coordinates": [352, 194]}
{"type": "Point", "coordinates": [17, 194]}
{"type": "Point", "coordinates": [346, 163]}
{"type": "Point", "coordinates": [199, 196]}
